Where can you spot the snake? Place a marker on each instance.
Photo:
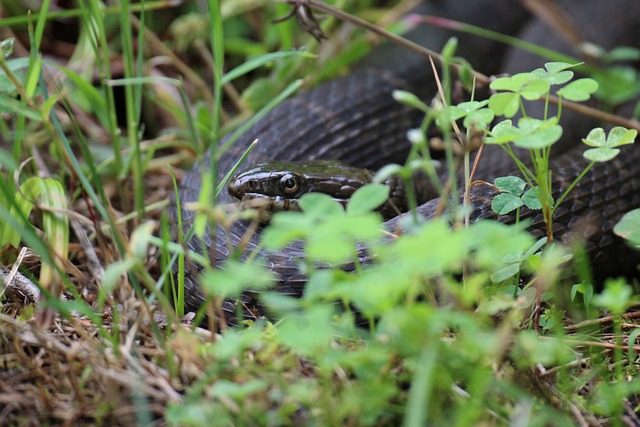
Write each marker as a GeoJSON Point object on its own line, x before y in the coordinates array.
{"type": "Point", "coordinates": [276, 186]}
{"type": "Point", "coordinates": [354, 119]}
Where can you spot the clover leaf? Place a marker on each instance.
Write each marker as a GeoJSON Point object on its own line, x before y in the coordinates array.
{"type": "Point", "coordinates": [503, 133]}
{"type": "Point", "coordinates": [629, 227]}
{"type": "Point", "coordinates": [521, 85]}
{"type": "Point", "coordinates": [579, 90]}
{"type": "Point", "coordinates": [537, 134]}
{"type": "Point", "coordinates": [512, 197]}
{"type": "Point", "coordinates": [505, 103]}
{"type": "Point", "coordinates": [605, 145]}
{"type": "Point", "coordinates": [472, 111]}
{"type": "Point", "coordinates": [367, 198]}
{"type": "Point", "coordinates": [555, 72]}
{"type": "Point", "coordinates": [530, 133]}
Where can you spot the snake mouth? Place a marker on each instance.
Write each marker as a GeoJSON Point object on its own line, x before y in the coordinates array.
{"type": "Point", "coordinates": [276, 203]}
{"type": "Point", "coordinates": [270, 203]}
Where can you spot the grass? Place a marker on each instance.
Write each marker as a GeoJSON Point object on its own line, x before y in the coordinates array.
{"type": "Point", "coordinates": [97, 151]}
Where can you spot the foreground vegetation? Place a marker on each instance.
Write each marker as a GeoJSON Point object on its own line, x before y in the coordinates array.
{"type": "Point", "coordinates": [451, 326]}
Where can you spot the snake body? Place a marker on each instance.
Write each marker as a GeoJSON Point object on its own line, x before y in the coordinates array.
{"type": "Point", "coordinates": [354, 119]}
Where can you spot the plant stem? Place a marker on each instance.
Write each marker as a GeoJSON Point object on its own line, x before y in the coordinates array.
{"type": "Point", "coordinates": [573, 184]}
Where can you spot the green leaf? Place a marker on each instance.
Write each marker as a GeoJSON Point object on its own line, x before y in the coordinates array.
{"type": "Point", "coordinates": [511, 184]}
{"type": "Point", "coordinates": [560, 78]}
{"type": "Point", "coordinates": [472, 111]}
{"type": "Point", "coordinates": [555, 73]}
{"type": "Point", "coordinates": [553, 68]}
{"type": "Point", "coordinates": [114, 272]}
{"type": "Point", "coordinates": [617, 84]}
{"type": "Point", "coordinates": [10, 105]}
{"type": "Point", "coordinates": [235, 278]}
{"type": "Point", "coordinates": [542, 137]}
{"type": "Point", "coordinates": [505, 273]}
{"type": "Point", "coordinates": [48, 193]}
{"type": "Point", "coordinates": [596, 138]}
{"type": "Point", "coordinates": [621, 136]}
{"type": "Point", "coordinates": [410, 100]}
{"type": "Point", "coordinates": [511, 198]}
{"type": "Point", "coordinates": [531, 198]}
{"type": "Point", "coordinates": [18, 66]}
{"type": "Point", "coordinates": [502, 133]}
{"type": "Point", "coordinates": [601, 154]}
{"type": "Point", "coordinates": [535, 89]}
{"type": "Point", "coordinates": [530, 350]}
{"type": "Point", "coordinates": [513, 83]}
{"type": "Point", "coordinates": [234, 342]}
{"type": "Point", "coordinates": [140, 238]}
{"type": "Point", "coordinates": [334, 240]}
{"type": "Point", "coordinates": [238, 390]}
{"type": "Point", "coordinates": [495, 241]}
{"type": "Point", "coordinates": [539, 244]}
{"type": "Point", "coordinates": [605, 150]}
{"type": "Point", "coordinates": [505, 104]}
{"type": "Point", "coordinates": [285, 227]}
{"type": "Point", "coordinates": [432, 249]}
{"type": "Point", "coordinates": [536, 133]}
{"type": "Point", "coordinates": [585, 289]}
{"type": "Point", "coordinates": [481, 118]}
{"type": "Point", "coordinates": [466, 74]}
{"type": "Point", "coordinates": [553, 78]}
{"type": "Point", "coordinates": [449, 114]}
{"type": "Point", "coordinates": [504, 203]}
{"type": "Point", "coordinates": [615, 297]}
{"type": "Point", "coordinates": [629, 227]}
{"type": "Point", "coordinates": [259, 61]}
{"type": "Point", "coordinates": [471, 106]}
{"type": "Point", "coordinates": [387, 171]}
{"type": "Point", "coordinates": [623, 53]}
{"type": "Point", "coordinates": [309, 333]}
{"type": "Point", "coordinates": [96, 98]}
{"type": "Point", "coordinates": [449, 49]}
{"type": "Point", "coordinates": [320, 205]}
{"type": "Point", "coordinates": [579, 90]}
{"type": "Point", "coordinates": [527, 85]}
{"type": "Point", "coordinates": [530, 133]}
{"type": "Point", "coordinates": [367, 198]}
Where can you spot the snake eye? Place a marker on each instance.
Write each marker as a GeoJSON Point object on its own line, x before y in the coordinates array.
{"type": "Point", "coordinates": [289, 184]}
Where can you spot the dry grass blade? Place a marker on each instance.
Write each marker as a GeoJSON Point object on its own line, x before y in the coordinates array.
{"type": "Point", "coordinates": [53, 375]}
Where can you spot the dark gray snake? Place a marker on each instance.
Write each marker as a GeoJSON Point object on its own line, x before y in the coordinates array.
{"type": "Point", "coordinates": [355, 119]}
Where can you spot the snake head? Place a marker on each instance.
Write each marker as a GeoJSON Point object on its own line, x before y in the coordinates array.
{"type": "Point", "coordinates": [285, 182]}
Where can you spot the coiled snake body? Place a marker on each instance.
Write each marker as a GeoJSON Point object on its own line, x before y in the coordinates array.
{"type": "Point", "coordinates": [354, 119]}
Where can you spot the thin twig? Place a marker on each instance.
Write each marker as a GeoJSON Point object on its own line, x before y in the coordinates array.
{"type": "Point", "coordinates": [585, 343]}
{"type": "Point", "coordinates": [601, 321]}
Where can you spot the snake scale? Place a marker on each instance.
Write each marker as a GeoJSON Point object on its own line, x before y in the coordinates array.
{"type": "Point", "coordinates": [354, 119]}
